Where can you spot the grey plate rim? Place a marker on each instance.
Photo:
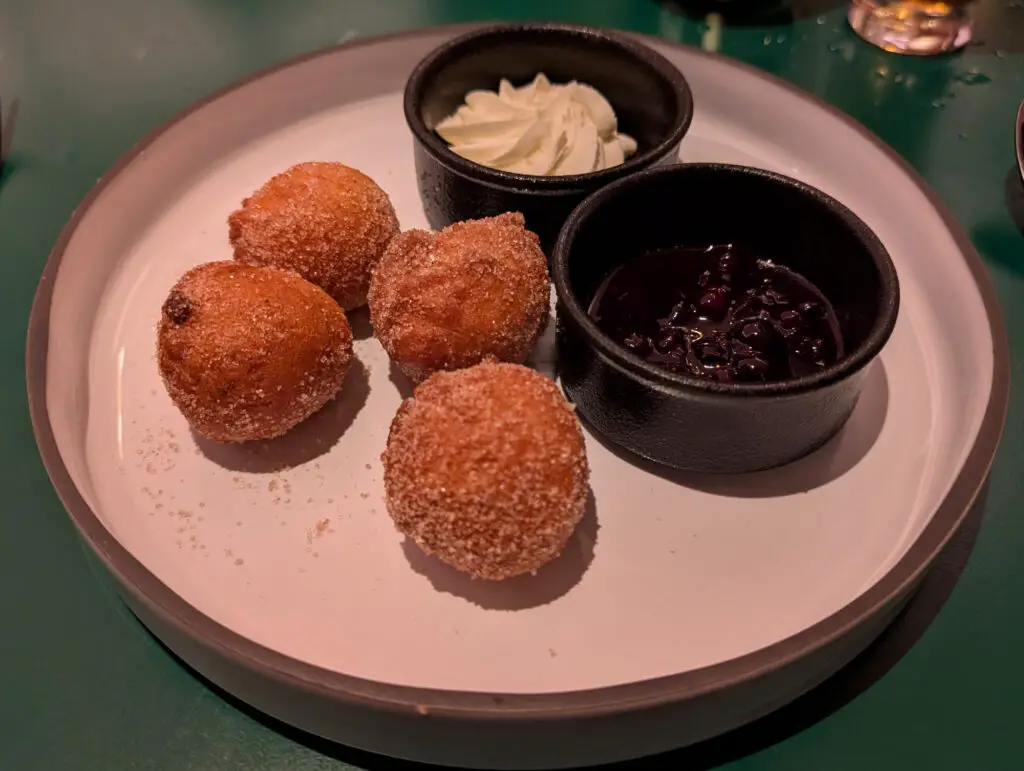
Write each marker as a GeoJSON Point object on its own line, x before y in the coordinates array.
{"type": "Point", "coordinates": [572, 705]}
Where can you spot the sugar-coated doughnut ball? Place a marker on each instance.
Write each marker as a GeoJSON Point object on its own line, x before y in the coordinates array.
{"type": "Point", "coordinates": [486, 469]}
{"type": "Point", "coordinates": [327, 222]}
{"type": "Point", "coordinates": [247, 352]}
{"type": "Point", "coordinates": [447, 300]}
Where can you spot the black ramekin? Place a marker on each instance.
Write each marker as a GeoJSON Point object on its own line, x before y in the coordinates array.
{"type": "Point", "coordinates": [693, 424]}
{"type": "Point", "coordinates": [650, 97]}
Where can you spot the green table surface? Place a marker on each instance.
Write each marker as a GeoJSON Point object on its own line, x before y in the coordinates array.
{"type": "Point", "coordinates": [83, 685]}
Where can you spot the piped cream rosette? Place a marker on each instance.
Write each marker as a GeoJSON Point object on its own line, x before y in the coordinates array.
{"type": "Point", "coordinates": [540, 128]}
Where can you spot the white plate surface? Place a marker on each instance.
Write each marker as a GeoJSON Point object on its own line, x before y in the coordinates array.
{"type": "Point", "coordinates": [289, 543]}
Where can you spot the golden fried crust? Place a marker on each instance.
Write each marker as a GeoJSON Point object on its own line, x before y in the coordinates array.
{"type": "Point", "coordinates": [326, 221]}
{"type": "Point", "coordinates": [248, 353]}
{"type": "Point", "coordinates": [486, 469]}
{"type": "Point", "coordinates": [446, 300]}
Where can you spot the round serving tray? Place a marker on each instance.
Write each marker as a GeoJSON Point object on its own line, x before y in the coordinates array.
{"type": "Point", "coordinates": [684, 606]}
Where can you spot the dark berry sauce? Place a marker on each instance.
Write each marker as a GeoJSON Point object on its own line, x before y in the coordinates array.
{"type": "Point", "coordinates": [719, 313]}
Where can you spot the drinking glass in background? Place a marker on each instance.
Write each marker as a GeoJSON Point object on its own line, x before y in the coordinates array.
{"type": "Point", "coordinates": [919, 27]}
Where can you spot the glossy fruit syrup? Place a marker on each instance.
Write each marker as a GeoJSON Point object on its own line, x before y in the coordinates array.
{"type": "Point", "coordinates": [719, 313]}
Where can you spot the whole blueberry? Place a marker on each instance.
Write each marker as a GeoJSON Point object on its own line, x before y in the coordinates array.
{"type": "Point", "coordinates": [754, 368]}
{"type": "Point", "coordinates": [790, 320]}
{"type": "Point", "coordinates": [714, 303]}
{"type": "Point", "coordinates": [758, 335]}
{"type": "Point", "coordinates": [810, 348]}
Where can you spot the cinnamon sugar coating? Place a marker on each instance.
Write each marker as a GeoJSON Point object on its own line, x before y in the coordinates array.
{"type": "Point", "coordinates": [248, 352]}
{"type": "Point", "coordinates": [327, 222]}
{"type": "Point", "coordinates": [447, 300]}
{"type": "Point", "coordinates": [486, 469]}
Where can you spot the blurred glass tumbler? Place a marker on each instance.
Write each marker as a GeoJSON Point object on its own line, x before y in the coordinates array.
{"type": "Point", "coordinates": [915, 27]}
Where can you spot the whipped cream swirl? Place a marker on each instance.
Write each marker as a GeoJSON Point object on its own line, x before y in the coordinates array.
{"type": "Point", "coordinates": [541, 128]}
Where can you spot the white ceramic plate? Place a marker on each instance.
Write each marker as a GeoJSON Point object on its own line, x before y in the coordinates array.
{"type": "Point", "coordinates": [683, 606]}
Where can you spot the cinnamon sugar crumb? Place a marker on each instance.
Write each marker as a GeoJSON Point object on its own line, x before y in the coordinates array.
{"type": "Point", "coordinates": [317, 531]}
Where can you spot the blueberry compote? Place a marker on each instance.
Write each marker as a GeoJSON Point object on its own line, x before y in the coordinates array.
{"type": "Point", "coordinates": [719, 313]}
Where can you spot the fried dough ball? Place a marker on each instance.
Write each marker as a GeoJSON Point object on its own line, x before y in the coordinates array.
{"type": "Point", "coordinates": [447, 300]}
{"type": "Point", "coordinates": [327, 222]}
{"type": "Point", "coordinates": [248, 353]}
{"type": "Point", "coordinates": [486, 469]}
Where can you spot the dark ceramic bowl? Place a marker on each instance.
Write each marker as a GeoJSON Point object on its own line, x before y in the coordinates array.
{"type": "Point", "coordinates": [649, 95]}
{"type": "Point", "coordinates": [698, 425]}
